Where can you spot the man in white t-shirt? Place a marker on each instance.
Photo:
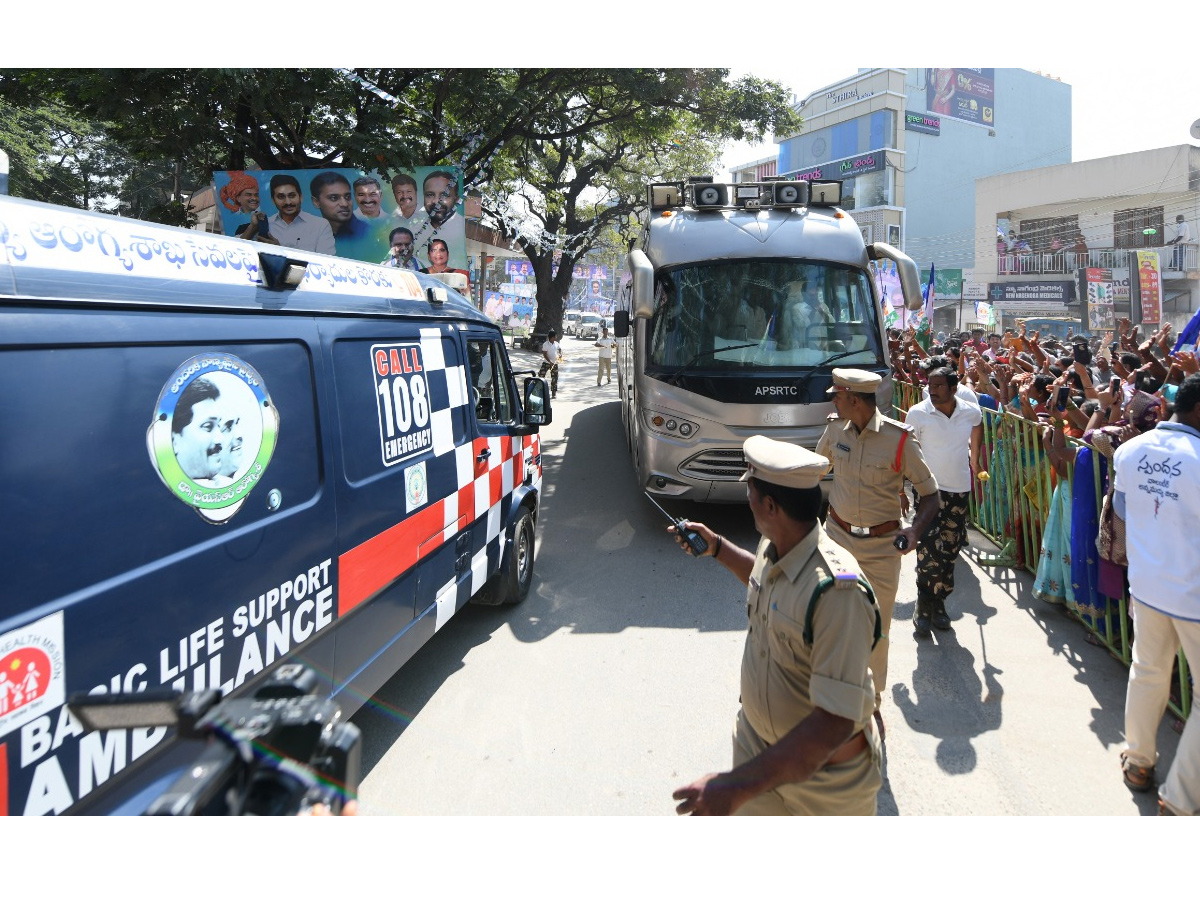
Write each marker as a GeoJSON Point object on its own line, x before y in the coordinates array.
{"type": "Point", "coordinates": [951, 434]}
{"type": "Point", "coordinates": [551, 357]}
{"type": "Point", "coordinates": [1157, 493]}
{"type": "Point", "coordinates": [604, 364]}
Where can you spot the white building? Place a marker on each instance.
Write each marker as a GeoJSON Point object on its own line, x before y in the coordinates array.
{"type": "Point", "coordinates": [1119, 204]}
{"type": "Point", "coordinates": [909, 144]}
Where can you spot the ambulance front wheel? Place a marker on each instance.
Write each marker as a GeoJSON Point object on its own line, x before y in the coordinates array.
{"type": "Point", "coordinates": [520, 562]}
{"type": "Point", "coordinates": [511, 584]}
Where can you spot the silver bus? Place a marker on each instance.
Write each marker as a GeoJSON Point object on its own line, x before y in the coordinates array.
{"type": "Point", "coordinates": [742, 299]}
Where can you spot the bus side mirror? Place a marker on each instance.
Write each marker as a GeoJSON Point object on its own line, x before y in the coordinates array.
{"type": "Point", "coordinates": [910, 280]}
{"type": "Point", "coordinates": [642, 275]}
{"type": "Point", "coordinates": [621, 323]}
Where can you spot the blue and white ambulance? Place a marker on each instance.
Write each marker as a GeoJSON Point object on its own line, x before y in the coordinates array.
{"type": "Point", "coordinates": [218, 455]}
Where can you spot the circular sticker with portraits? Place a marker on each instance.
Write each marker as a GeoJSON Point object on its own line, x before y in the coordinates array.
{"type": "Point", "coordinates": [213, 435]}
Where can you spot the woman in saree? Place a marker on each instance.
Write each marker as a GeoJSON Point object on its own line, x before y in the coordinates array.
{"type": "Point", "coordinates": [1107, 431]}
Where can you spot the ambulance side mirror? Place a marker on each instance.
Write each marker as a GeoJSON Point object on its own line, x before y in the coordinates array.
{"type": "Point", "coordinates": [536, 406]}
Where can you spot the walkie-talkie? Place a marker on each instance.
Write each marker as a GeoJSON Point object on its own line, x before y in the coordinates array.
{"type": "Point", "coordinates": [697, 544]}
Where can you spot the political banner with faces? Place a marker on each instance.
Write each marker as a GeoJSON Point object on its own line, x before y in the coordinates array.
{"type": "Point", "coordinates": [413, 219]}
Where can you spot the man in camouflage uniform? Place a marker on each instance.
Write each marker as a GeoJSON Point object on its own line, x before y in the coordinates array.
{"type": "Point", "coordinates": [951, 433]}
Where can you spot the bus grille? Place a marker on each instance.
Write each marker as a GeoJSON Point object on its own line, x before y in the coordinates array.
{"type": "Point", "coordinates": [715, 465]}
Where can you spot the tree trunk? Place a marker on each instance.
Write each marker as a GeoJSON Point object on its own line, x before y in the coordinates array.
{"type": "Point", "coordinates": [552, 290]}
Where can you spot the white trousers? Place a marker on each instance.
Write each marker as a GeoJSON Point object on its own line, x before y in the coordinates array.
{"type": "Point", "coordinates": [1156, 641]}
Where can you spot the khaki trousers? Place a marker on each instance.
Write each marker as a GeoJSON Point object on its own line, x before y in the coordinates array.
{"type": "Point", "coordinates": [880, 563]}
{"type": "Point", "coordinates": [604, 367]}
{"type": "Point", "coordinates": [847, 789]}
{"type": "Point", "coordinates": [1156, 641]}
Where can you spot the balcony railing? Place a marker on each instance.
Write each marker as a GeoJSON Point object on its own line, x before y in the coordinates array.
{"type": "Point", "coordinates": [1174, 259]}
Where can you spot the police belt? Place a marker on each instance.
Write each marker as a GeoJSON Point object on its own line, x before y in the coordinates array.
{"type": "Point", "coordinates": [859, 530]}
{"type": "Point", "coordinates": [849, 750]}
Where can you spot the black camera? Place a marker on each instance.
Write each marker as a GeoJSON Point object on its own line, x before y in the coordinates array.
{"type": "Point", "coordinates": [278, 752]}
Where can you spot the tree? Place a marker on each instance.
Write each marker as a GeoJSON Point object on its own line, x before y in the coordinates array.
{"type": "Point", "coordinates": [55, 156]}
{"type": "Point", "coordinates": [62, 155]}
{"type": "Point", "coordinates": [583, 171]}
{"type": "Point", "coordinates": [577, 145]}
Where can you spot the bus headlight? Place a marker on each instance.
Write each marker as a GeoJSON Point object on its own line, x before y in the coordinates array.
{"type": "Point", "coordinates": [673, 425]}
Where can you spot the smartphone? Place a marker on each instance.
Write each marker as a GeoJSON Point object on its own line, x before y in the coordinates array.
{"type": "Point", "coordinates": [1115, 385]}
{"type": "Point", "coordinates": [1064, 393]}
{"type": "Point", "coordinates": [1081, 353]}
{"type": "Point", "coordinates": [1112, 348]}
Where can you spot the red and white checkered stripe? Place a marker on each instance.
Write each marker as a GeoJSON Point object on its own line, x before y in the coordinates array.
{"type": "Point", "coordinates": [483, 486]}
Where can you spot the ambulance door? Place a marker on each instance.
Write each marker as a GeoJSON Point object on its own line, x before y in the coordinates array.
{"type": "Point", "coordinates": [400, 398]}
{"type": "Point", "coordinates": [496, 456]}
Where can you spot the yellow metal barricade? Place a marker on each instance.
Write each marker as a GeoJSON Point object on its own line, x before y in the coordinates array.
{"type": "Point", "coordinates": [1012, 507]}
{"type": "Point", "coordinates": [904, 396]}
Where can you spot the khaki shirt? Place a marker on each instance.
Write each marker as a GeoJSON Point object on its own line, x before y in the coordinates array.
{"type": "Point", "coordinates": [784, 679]}
{"type": "Point", "coordinates": [866, 485]}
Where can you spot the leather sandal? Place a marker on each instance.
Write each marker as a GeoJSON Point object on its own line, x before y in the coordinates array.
{"type": "Point", "coordinates": [1137, 778]}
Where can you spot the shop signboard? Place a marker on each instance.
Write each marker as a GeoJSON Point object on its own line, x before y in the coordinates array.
{"type": "Point", "coordinates": [1028, 308]}
{"type": "Point", "coordinates": [921, 122]}
{"type": "Point", "coordinates": [1149, 282]}
{"type": "Point", "coordinates": [974, 290]}
{"type": "Point", "coordinates": [1028, 291]}
{"type": "Point", "coordinates": [843, 169]}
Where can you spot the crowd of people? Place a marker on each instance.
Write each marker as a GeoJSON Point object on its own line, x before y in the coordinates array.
{"type": "Point", "coordinates": [1061, 253]}
{"type": "Point", "coordinates": [1081, 405]}
{"type": "Point", "coordinates": [809, 729]}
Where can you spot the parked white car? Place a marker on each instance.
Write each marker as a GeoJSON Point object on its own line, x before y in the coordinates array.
{"type": "Point", "coordinates": [570, 320]}
{"type": "Point", "coordinates": [589, 326]}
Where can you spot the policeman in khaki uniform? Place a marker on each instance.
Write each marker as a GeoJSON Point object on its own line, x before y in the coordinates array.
{"type": "Point", "coordinates": [872, 455]}
{"type": "Point", "coordinates": [803, 742]}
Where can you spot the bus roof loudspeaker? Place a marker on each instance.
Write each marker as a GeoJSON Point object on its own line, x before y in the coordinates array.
{"type": "Point", "coordinates": [825, 193]}
{"type": "Point", "coordinates": [664, 196]}
{"type": "Point", "coordinates": [789, 193]}
{"type": "Point", "coordinates": [710, 196]}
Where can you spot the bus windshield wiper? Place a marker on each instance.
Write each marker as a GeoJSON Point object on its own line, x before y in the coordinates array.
{"type": "Point", "coordinates": [826, 361]}
{"type": "Point", "coordinates": [673, 378]}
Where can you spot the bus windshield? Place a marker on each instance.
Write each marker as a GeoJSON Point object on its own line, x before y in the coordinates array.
{"type": "Point", "coordinates": [759, 314]}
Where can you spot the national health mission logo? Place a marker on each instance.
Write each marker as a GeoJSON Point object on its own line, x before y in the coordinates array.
{"type": "Point", "coordinates": [213, 435]}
